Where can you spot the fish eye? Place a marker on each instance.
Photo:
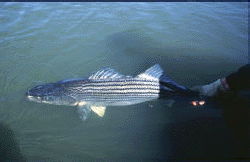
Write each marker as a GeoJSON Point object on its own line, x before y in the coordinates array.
{"type": "Point", "coordinates": [39, 86]}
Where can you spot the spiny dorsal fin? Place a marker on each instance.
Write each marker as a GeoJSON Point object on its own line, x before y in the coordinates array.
{"type": "Point", "coordinates": [152, 73]}
{"type": "Point", "coordinates": [99, 110]}
{"type": "Point", "coordinates": [107, 73]}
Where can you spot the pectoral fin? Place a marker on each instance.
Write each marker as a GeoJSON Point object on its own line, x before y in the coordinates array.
{"type": "Point", "coordinates": [84, 112]}
{"type": "Point", "coordinates": [99, 110]}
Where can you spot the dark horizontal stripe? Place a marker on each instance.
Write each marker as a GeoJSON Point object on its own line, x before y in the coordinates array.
{"type": "Point", "coordinates": [108, 82]}
{"type": "Point", "coordinates": [120, 80]}
{"type": "Point", "coordinates": [111, 84]}
{"type": "Point", "coordinates": [120, 94]}
{"type": "Point", "coordinates": [104, 99]}
{"type": "Point", "coordinates": [103, 87]}
{"type": "Point", "coordinates": [94, 90]}
{"type": "Point", "coordinates": [115, 93]}
{"type": "Point", "coordinates": [122, 97]}
{"type": "Point", "coordinates": [112, 87]}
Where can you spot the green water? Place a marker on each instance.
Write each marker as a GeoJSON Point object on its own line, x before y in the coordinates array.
{"type": "Point", "coordinates": [45, 42]}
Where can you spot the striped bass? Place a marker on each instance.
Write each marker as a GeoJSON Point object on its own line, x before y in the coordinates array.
{"type": "Point", "coordinates": [108, 88]}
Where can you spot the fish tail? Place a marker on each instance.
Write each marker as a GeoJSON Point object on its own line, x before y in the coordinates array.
{"type": "Point", "coordinates": [169, 87]}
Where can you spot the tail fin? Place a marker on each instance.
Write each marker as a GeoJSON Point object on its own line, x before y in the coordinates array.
{"type": "Point", "coordinates": [170, 83]}
{"type": "Point", "coordinates": [169, 87]}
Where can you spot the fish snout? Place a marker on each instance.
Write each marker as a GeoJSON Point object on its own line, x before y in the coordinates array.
{"type": "Point", "coordinates": [30, 92]}
{"type": "Point", "coordinates": [27, 93]}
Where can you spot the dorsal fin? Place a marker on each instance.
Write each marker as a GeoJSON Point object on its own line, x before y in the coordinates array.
{"type": "Point", "coordinates": [107, 73]}
{"type": "Point", "coordinates": [152, 73]}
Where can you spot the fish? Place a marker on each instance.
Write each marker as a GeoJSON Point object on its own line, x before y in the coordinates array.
{"type": "Point", "coordinates": [107, 87]}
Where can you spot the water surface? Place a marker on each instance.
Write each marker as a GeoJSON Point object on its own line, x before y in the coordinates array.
{"type": "Point", "coordinates": [195, 43]}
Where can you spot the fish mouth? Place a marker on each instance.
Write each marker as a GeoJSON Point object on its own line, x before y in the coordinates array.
{"type": "Point", "coordinates": [33, 98]}
{"type": "Point", "coordinates": [30, 97]}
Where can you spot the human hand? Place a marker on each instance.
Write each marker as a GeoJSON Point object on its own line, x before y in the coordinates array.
{"type": "Point", "coordinates": [209, 90]}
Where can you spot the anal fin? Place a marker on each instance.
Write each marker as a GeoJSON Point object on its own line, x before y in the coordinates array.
{"type": "Point", "coordinates": [99, 110]}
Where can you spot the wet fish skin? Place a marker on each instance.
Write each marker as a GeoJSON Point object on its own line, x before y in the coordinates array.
{"type": "Point", "coordinates": [107, 88]}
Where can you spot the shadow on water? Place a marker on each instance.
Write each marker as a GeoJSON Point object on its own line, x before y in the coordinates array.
{"type": "Point", "coordinates": [10, 150]}
{"type": "Point", "coordinates": [138, 49]}
{"type": "Point", "coordinates": [202, 137]}
{"type": "Point", "coordinates": [212, 138]}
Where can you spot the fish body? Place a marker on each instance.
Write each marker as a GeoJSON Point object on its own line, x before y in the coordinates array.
{"type": "Point", "coordinates": [107, 88]}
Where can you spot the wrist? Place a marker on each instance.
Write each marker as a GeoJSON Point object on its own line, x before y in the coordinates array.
{"type": "Point", "coordinates": [211, 89]}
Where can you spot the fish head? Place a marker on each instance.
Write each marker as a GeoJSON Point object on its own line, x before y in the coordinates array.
{"type": "Point", "coordinates": [47, 93]}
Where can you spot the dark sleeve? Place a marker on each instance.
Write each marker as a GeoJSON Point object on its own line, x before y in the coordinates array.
{"type": "Point", "coordinates": [239, 80]}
